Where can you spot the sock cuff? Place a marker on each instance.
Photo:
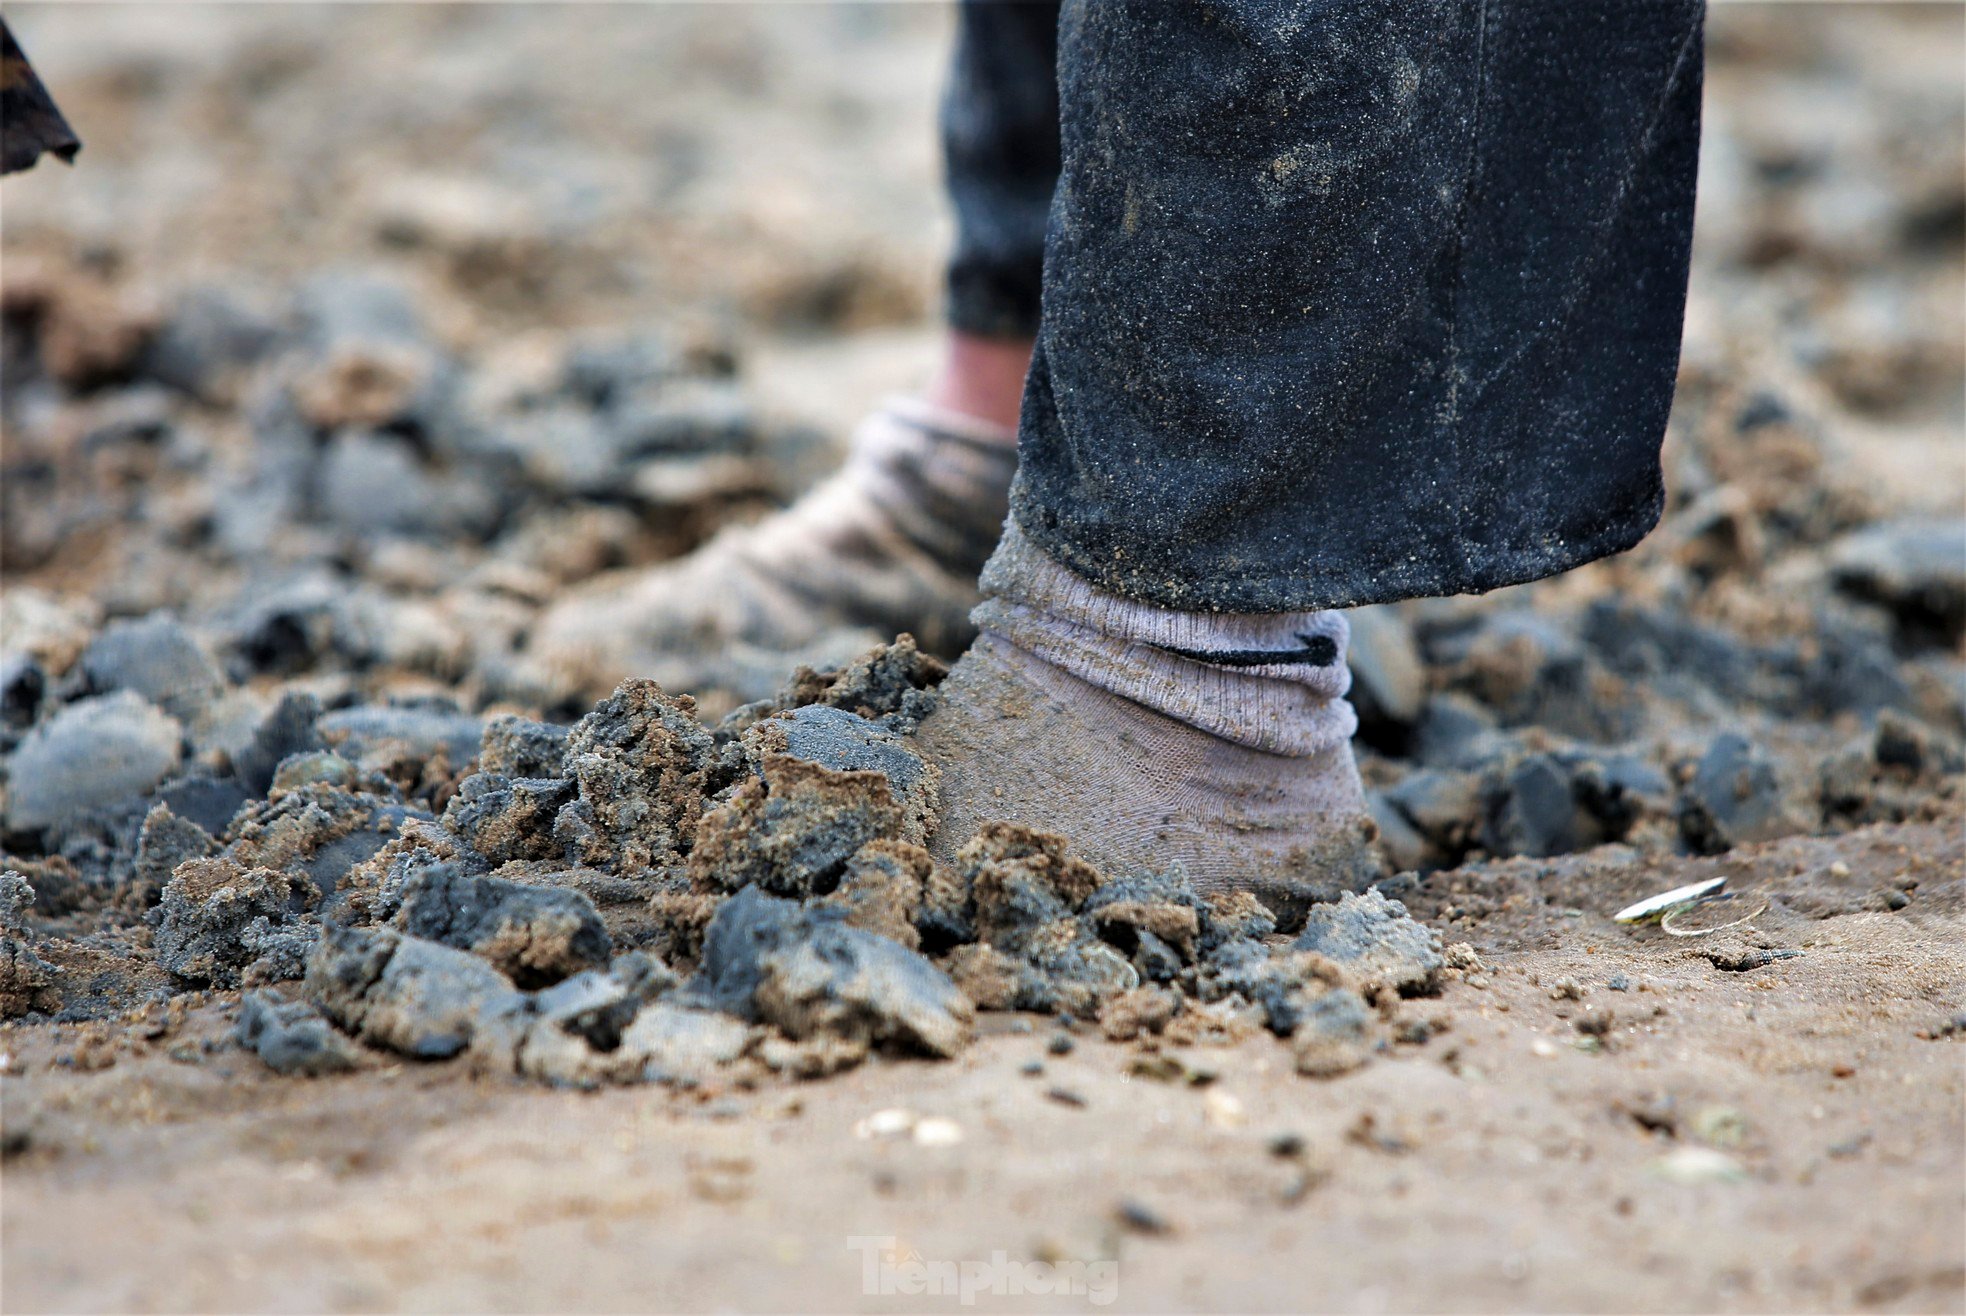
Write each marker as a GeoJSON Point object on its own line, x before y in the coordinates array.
{"type": "Point", "coordinates": [1270, 681]}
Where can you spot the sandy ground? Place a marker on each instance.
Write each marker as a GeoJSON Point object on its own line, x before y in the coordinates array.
{"type": "Point", "coordinates": [1598, 1119]}
{"type": "Point", "coordinates": [1496, 1165]}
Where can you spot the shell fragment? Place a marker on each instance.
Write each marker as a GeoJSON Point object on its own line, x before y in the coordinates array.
{"type": "Point", "coordinates": [1657, 907]}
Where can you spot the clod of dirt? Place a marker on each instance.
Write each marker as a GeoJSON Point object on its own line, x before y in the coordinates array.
{"type": "Point", "coordinates": [421, 731]}
{"type": "Point", "coordinates": [518, 747]}
{"type": "Point", "coordinates": [847, 742]}
{"type": "Point", "coordinates": [26, 980]}
{"type": "Point", "coordinates": [406, 994]}
{"type": "Point", "coordinates": [216, 917]}
{"type": "Point", "coordinates": [505, 818]}
{"type": "Point", "coordinates": [893, 684]}
{"type": "Point", "coordinates": [93, 754]}
{"type": "Point", "coordinates": [1917, 568]}
{"type": "Point", "coordinates": [166, 842]}
{"type": "Point", "coordinates": [807, 972]}
{"type": "Point", "coordinates": [885, 888]}
{"type": "Point", "coordinates": [639, 762]}
{"type": "Point", "coordinates": [292, 1037]}
{"type": "Point", "coordinates": [320, 831]}
{"type": "Point", "coordinates": [1735, 797]}
{"type": "Point", "coordinates": [534, 935]}
{"type": "Point", "coordinates": [287, 730]}
{"type": "Point", "coordinates": [1375, 942]}
{"type": "Point", "coordinates": [791, 829]}
{"type": "Point", "coordinates": [157, 658]}
{"type": "Point", "coordinates": [1334, 1035]}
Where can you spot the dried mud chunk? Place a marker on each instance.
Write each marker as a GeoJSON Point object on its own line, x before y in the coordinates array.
{"type": "Point", "coordinates": [1230, 916]}
{"type": "Point", "coordinates": [534, 935]}
{"type": "Point", "coordinates": [373, 889]}
{"type": "Point", "coordinates": [671, 1044]}
{"type": "Point", "coordinates": [990, 978]}
{"type": "Point", "coordinates": [216, 917]}
{"type": "Point", "coordinates": [895, 682]}
{"type": "Point", "coordinates": [165, 842]}
{"type": "Point", "coordinates": [808, 973]}
{"type": "Point", "coordinates": [292, 1037]}
{"type": "Point", "coordinates": [94, 754]}
{"type": "Point", "coordinates": [321, 831]}
{"type": "Point", "coordinates": [792, 830]}
{"type": "Point", "coordinates": [882, 890]}
{"type": "Point", "coordinates": [286, 731]}
{"type": "Point", "coordinates": [846, 742]}
{"type": "Point", "coordinates": [1144, 1010]}
{"type": "Point", "coordinates": [506, 819]}
{"type": "Point", "coordinates": [1334, 1036]}
{"type": "Point", "coordinates": [1376, 942]}
{"type": "Point", "coordinates": [638, 761]}
{"type": "Point", "coordinates": [1734, 798]}
{"type": "Point", "coordinates": [27, 982]}
{"type": "Point", "coordinates": [1019, 880]}
{"type": "Point", "coordinates": [406, 994]}
{"type": "Point", "coordinates": [158, 659]}
{"type": "Point", "coordinates": [517, 747]}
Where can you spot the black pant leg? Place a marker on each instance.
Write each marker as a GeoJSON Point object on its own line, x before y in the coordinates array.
{"type": "Point", "coordinates": [1001, 156]}
{"type": "Point", "coordinates": [1361, 300]}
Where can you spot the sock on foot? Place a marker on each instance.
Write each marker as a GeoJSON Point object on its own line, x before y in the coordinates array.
{"type": "Point", "coordinates": [891, 542]}
{"type": "Point", "coordinates": [1218, 744]}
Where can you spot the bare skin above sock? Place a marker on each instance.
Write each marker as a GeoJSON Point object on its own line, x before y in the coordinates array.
{"type": "Point", "coordinates": [1215, 744]}
{"type": "Point", "coordinates": [892, 542]}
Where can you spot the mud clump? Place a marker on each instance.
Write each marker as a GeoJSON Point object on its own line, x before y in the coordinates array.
{"type": "Point", "coordinates": [292, 1037]}
{"type": "Point", "coordinates": [534, 935]}
{"type": "Point", "coordinates": [808, 972]}
{"type": "Point", "coordinates": [1377, 945]}
{"type": "Point", "coordinates": [218, 920]}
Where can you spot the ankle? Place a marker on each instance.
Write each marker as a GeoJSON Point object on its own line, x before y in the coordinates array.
{"type": "Point", "coordinates": [983, 378]}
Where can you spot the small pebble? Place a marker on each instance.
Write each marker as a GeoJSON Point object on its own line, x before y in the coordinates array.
{"type": "Point", "coordinates": [1698, 1165]}
{"type": "Point", "coordinates": [1221, 1110]}
{"type": "Point", "coordinates": [936, 1131]}
{"type": "Point", "coordinates": [1031, 1068]}
{"type": "Point", "coordinates": [888, 1123]}
{"type": "Point", "coordinates": [1137, 1216]}
{"type": "Point", "coordinates": [1065, 1097]}
{"type": "Point", "coordinates": [1287, 1145]}
{"type": "Point", "coordinates": [1061, 1044]}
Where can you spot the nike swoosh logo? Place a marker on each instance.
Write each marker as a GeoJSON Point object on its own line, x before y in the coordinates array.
{"type": "Point", "coordinates": [1317, 651]}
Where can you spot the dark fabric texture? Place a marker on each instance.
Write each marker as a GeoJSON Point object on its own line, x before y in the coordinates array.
{"type": "Point", "coordinates": [1342, 302]}
{"type": "Point", "coordinates": [1001, 159]}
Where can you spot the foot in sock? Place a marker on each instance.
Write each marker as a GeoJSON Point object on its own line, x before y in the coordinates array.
{"type": "Point", "coordinates": [890, 543]}
{"type": "Point", "coordinates": [1154, 740]}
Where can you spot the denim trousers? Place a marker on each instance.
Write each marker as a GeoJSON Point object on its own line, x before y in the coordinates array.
{"type": "Point", "coordinates": [1336, 301]}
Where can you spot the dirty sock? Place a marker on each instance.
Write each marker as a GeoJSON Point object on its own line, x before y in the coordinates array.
{"type": "Point", "coordinates": [1215, 743]}
{"type": "Point", "coordinates": [892, 542]}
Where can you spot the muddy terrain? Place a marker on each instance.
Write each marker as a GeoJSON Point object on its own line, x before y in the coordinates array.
{"type": "Point", "coordinates": [347, 963]}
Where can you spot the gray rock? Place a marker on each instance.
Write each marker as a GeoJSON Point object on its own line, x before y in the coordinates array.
{"type": "Point", "coordinates": [406, 994]}
{"type": "Point", "coordinates": [208, 333]}
{"type": "Point", "coordinates": [534, 935]}
{"type": "Point", "coordinates": [23, 684]}
{"type": "Point", "coordinates": [1374, 939]}
{"type": "Point", "coordinates": [93, 754]}
{"type": "Point", "coordinates": [809, 974]}
{"type": "Point", "coordinates": [292, 1037]}
{"type": "Point", "coordinates": [216, 917]}
{"type": "Point", "coordinates": [355, 732]}
{"type": "Point", "coordinates": [1734, 798]}
{"type": "Point", "coordinates": [1389, 681]}
{"type": "Point", "coordinates": [1532, 810]}
{"type": "Point", "coordinates": [1915, 567]}
{"type": "Point", "coordinates": [288, 730]}
{"type": "Point", "coordinates": [157, 658]}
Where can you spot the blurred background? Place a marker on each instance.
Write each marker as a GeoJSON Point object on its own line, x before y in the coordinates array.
{"type": "Point", "coordinates": [358, 331]}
